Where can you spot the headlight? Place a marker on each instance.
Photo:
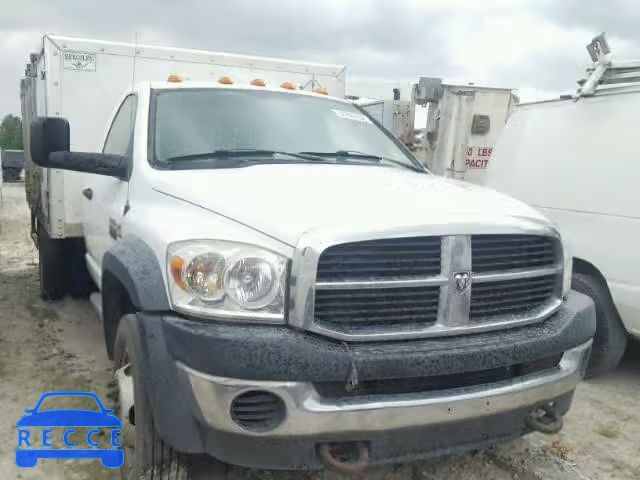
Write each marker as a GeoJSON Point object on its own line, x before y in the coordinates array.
{"type": "Point", "coordinates": [221, 279]}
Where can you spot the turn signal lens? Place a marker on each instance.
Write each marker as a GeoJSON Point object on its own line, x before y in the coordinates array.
{"type": "Point", "coordinates": [289, 86]}
{"type": "Point", "coordinates": [176, 265]}
{"type": "Point", "coordinates": [258, 82]}
{"type": "Point", "coordinates": [225, 81]}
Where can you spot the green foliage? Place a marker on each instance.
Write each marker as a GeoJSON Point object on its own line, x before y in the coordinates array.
{"type": "Point", "coordinates": [11, 133]}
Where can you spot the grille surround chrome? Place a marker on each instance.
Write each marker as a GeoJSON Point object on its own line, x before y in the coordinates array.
{"type": "Point", "coordinates": [453, 313]}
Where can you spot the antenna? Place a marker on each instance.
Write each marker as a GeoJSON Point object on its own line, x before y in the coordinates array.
{"type": "Point", "coordinates": [136, 36]}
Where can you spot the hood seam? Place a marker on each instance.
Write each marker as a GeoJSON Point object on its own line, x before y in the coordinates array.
{"type": "Point", "coordinates": [224, 216]}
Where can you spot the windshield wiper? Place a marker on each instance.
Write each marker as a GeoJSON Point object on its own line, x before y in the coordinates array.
{"type": "Point", "coordinates": [354, 155]}
{"type": "Point", "coordinates": [240, 153]}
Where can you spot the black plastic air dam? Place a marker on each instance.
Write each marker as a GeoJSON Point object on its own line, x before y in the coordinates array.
{"type": "Point", "coordinates": [258, 352]}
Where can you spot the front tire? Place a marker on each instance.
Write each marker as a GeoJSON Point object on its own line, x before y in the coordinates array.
{"type": "Point", "coordinates": [146, 454]}
{"type": "Point", "coordinates": [610, 339]}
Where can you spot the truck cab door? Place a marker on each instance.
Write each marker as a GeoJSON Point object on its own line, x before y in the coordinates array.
{"type": "Point", "coordinates": [105, 198]}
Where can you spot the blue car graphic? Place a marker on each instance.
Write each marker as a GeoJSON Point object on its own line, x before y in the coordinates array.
{"type": "Point", "coordinates": [110, 458]}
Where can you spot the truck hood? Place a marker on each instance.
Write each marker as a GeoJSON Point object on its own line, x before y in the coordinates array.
{"type": "Point", "coordinates": [285, 201]}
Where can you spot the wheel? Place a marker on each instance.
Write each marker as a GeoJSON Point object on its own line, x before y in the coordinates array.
{"type": "Point", "coordinates": [610, 339]}
{"type": "Point", "coordinates": [145, 454]}
{"type": "Point", "coordinates": [11, 174]}
{"type": "Point", "coordinates": [15, 175]}
{"type": "Point", "coordinates": [54, 278]}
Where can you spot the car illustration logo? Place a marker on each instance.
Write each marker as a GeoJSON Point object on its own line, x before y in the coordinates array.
{"type": "Point", "coordinates": [462, 281]}
{"type": "Point", "coordinates": [40, 420]}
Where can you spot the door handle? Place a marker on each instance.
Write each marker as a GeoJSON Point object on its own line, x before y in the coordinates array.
{"type": "Point", "coordinates": [88, 193]}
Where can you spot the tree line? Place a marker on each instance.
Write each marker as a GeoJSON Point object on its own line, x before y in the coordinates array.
{"type": "Point", "coordinates": [11, 133]}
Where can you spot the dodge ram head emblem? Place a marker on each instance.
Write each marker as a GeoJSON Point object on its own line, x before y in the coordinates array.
{"type": "Point", "coordinates": [462, 281]}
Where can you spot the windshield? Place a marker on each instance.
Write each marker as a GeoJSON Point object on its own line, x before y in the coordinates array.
{"type": "Point", "coordinates": [192, 123]}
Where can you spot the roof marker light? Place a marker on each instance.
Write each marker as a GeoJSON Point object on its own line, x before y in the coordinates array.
{"type": "Point", "coordinates": [258, 82]}
{"type": "Point", "coordinates": [174, 78]}
{"type": "Point", "coordinates": [289, 86]}
{"type": "Point", "coordinates": [225, 81]}
{"type": "Point", "coordinates": [321, 90]}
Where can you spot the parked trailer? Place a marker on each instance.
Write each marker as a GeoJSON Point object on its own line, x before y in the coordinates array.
{"type": "Point", "coordinates": [12, 164]}
{"type": "Point", "coordinates": [575, 159]}
{"type": "Point", "coordinates": [464, 122]}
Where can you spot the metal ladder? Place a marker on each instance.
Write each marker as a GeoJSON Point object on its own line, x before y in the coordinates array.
{"type": "Point", "coordinates": [604, 71]}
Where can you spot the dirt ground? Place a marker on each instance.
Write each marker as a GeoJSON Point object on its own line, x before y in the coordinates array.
{"type": "Point", "coordinates": [59, 346]}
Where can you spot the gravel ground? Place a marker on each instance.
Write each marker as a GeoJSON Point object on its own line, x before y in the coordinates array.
{"type": "Point", "coordinates": [59, 346]}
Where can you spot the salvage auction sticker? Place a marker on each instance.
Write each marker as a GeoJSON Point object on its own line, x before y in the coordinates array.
{"type": "Point", "coordinates": [356, 117]}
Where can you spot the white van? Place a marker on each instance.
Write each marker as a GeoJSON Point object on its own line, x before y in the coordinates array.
{"type": "Point", "coordinates": [576, 159]}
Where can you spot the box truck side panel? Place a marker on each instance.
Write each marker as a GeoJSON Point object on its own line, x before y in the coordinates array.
{"type": "Point", "coordinates": [489, 114]}
{"type": "Point", "coordinates": [574, 150]}
{"type": "Point", "coordinates": [85, 78]}
{"type": "Point", "coordinates": [577, 162]}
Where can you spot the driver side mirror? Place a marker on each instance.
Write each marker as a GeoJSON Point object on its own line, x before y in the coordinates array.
{"type": "Point", "coordinates": [48, 135]}
{"type": "Point", "coordinates": [50, 140]}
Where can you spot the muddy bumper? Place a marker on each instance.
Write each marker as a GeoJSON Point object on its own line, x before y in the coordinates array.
{"type": "Point", "coordinates": [270, 396]}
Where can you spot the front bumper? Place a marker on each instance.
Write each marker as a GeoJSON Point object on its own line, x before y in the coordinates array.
{"type": "Point", "coordinates": [194, 370]}
{"type": "Point", "coordinates": [309, 414]}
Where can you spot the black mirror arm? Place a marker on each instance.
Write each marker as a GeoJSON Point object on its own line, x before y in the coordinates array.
{"type": "Point", "coordinates": [98, 163]}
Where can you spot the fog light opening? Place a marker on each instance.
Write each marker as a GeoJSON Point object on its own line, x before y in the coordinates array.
{"type": "Point", "coordinates": [258, 411]}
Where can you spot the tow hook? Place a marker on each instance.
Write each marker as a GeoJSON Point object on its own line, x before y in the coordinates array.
{"type": "Point", "coordinates": [350, 458]}
{"type": "Point", "coordinates": [545, 419]}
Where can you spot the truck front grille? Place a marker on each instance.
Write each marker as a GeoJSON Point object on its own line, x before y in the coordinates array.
{"type": "Point", "coordinates": [514, 297]}
{"type": "Point", "coordinates": [436, 285]}
{"type": "Point", "coordinates": [361, 309]}
{"type": "Point", "coordinates": [508, 252]}
{"type": "Point", "coordinates": [386, 258]}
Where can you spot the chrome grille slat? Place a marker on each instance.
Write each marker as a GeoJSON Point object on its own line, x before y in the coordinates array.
{"type": "Point", "coordinates": [416, 305]}
{"type": "Point", "coordinates": [515, 299]}
{"type": "Point", "coordinates": [378, 311]}
{"type": "Point", "coordinates": [495, 299]}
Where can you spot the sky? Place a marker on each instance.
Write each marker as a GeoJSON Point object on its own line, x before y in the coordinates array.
{"type": "Point", "coordinates": [534, 46]}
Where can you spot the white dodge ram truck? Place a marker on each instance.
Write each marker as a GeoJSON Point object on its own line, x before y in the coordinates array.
{"type": "Point", "coordinates": [284, 286]}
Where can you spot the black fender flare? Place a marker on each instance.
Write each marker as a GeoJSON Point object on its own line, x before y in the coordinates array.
{"type": "Point", "coordinates": [168, 392]}
{"type": "Point", "coordinates": [132, 262]}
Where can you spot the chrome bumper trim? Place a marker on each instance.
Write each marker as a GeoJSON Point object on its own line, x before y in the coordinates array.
{"type": "Point", "coordinates": [308, 414]}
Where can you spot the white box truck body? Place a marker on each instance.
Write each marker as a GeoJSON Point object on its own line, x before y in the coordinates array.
{"type": "Point", "coordinates": [575, 159]}
{"type": "Point", "coordinates": [82, 80]}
